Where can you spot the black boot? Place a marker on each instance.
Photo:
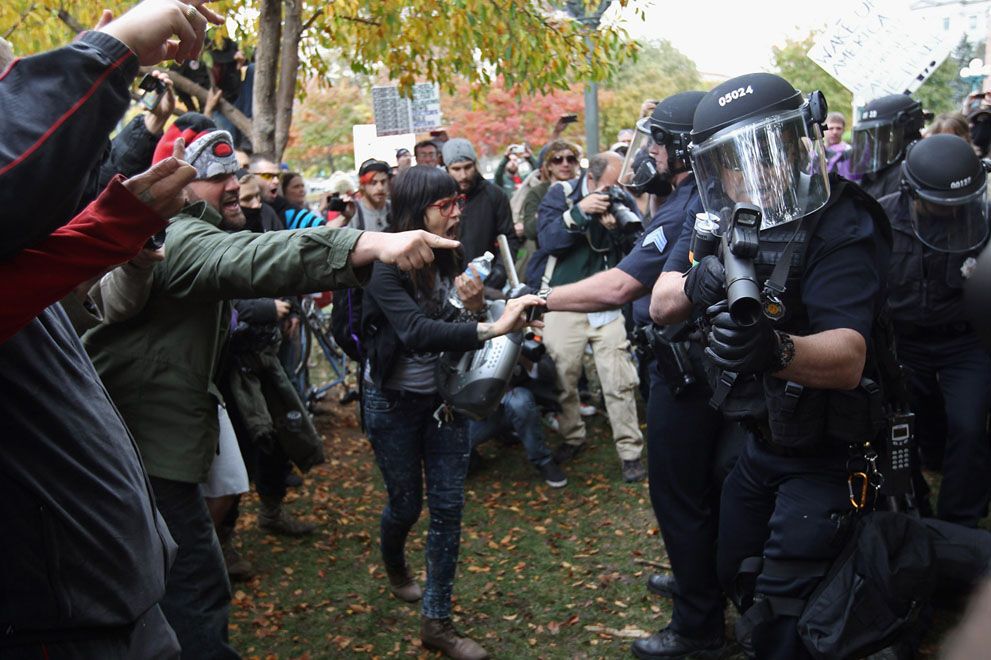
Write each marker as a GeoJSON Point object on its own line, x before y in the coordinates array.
{"type": "Point", "coordinates": [662, 584]}
{"type": "Point", "coordinates": [669, 644]}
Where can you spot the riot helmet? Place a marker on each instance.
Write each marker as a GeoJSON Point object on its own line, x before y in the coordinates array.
{"type": "Point", "coordinates": [757, 140]}
{"type": "Point", "coordinates": [948, 187]}
{"type": "Point", "coordinates": [883, 129]}
{"type": "Point", "coordinates": [669, 127]}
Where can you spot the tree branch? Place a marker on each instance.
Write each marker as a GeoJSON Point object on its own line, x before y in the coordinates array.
{"type": "Point", "coordinates": [20, 19]}
{"type": "Point", "coordinates": [309, 22]}
{"type": "Point", "coordinates": [187, 86]}
{"type": "Point", "coordinates": [71, 21]}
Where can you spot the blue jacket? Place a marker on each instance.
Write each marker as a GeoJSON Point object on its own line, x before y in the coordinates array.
{"type": "Point", "coordinates": [572, 245]}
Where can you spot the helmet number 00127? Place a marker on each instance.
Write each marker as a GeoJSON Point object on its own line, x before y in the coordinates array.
{"type": "Point", "coordinates": [735, 94]}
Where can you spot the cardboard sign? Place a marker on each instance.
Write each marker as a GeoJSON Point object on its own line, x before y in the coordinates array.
{"type": "Point", "coordinates": [880, 47]}
{"type": "Point", "coordinates": [369, 143]}
{"type": "Point", "coordinates": [396, 115]}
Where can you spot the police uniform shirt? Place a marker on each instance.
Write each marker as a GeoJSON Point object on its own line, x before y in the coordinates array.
{"type": "Point", "coordinates": [646, 260]}
{"type": "Point", "coordinates": [843, 280]}
{"type": "Point", "coordinates": [678, 261]}
{"type": "Point", "coordinates": [925, 286]}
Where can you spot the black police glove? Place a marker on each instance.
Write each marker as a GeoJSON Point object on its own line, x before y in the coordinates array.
{"type": "Point", "coordinates": [705, 284]}
{"type": "Point", "coordinates": [741, 349]}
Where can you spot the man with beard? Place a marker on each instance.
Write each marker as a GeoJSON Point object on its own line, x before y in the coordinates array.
{"type": "Point", "coordinates": [486, 213]}
{"type": "Point", "coordinates": [160, 366]}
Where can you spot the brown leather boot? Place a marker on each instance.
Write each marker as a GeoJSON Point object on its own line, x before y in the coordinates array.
{"type": "Point", "coordinates": [239, 569]}
{"type": "Point", "coordinates": [441, 635]}
{"type": "Point", "coordinates": [402, 585]}
{"type": "Point", "coordinates": [272, 517]}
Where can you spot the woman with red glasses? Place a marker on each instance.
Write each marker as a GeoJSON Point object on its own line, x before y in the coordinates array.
{"type": "Point", "coordinates": [407, 322]}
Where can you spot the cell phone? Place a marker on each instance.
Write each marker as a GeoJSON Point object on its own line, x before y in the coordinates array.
{"type": "Point", "coordinates": [569, 119]}
{"type": "Point", "coordinates": [151, 88]}
{"type": "Point", "coordinates": [336, 204]}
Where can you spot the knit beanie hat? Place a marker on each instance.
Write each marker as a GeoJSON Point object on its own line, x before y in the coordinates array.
{"type": "Point", "coordinates": [458, 149]}
{"type": "Point", "coordinates": [212, 154]}
{"type": "Point", "coordinates": [188, 126]}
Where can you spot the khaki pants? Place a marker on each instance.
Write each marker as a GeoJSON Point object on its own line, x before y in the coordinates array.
{"type": "Point", "coordinates": [565, 335]}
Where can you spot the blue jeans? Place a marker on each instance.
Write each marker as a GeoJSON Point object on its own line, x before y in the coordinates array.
{"type": "Point", "coordinates": [409, 444]}
{"type": "Point", "coordinates": [517, 412]}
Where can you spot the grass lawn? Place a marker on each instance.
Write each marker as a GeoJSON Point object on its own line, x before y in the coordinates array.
{"type": "Point", "coordinates": [544, 573]}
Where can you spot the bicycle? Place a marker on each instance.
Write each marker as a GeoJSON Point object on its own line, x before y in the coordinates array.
{"type": "Point", "coordinates": [315, 328]}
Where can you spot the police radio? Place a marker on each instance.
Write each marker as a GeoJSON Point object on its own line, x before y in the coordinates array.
{"type": "Point", "coordinates": [741, 242]}
{"type": "Point", "coordinates": [897, 466]}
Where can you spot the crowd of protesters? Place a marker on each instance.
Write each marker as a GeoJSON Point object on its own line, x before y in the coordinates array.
{"type": "Point", "coordinates": [153, 320]}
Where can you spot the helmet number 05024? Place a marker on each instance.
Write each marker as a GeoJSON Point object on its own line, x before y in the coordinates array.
{"type": "Point", "coordinates": [735, 94]}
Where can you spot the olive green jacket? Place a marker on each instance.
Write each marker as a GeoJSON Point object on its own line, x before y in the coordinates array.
{"type": "Point", "coordinates": [160, 365]}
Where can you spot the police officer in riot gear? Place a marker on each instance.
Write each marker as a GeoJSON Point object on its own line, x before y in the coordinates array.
{"type": "Point", "coordinates": [940, 223]}
{"type": "Point", "coordinates": [682, 430]}
{"type": "Point", "coordinates": [796, 373]}
{"type": "Point", "coordinates": [884, 129]}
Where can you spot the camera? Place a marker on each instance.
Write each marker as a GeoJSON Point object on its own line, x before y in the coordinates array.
{"type": "Point", "coordinates": [152, 89]}
{"type": "Point", "coordinates": [336, 203]}
{"type": "Point", "coordinates": [625, 217]}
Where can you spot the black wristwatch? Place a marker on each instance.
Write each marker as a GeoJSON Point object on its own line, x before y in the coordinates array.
{"type": "Point", "coordinates": [785, 353]}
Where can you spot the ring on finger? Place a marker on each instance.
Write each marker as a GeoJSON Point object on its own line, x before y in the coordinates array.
{"type": "Point", "coordinates": [190, 13]}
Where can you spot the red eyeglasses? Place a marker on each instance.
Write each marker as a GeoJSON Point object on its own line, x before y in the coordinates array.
{"type": "Point", "coordinates": [446, 206]}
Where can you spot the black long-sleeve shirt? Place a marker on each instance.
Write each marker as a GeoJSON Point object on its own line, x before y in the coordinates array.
{"type": "Point", "coordinates": [393, 322]}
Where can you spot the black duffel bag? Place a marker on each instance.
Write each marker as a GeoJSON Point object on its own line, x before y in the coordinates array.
{"type": "Point", "coordinates": [873, 591]}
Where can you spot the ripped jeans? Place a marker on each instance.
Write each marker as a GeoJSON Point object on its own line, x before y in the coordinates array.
{"type": "Point", "coordinates": [408, 444]}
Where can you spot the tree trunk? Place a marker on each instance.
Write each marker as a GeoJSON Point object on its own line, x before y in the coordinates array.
{"type": "Point", "coordinates": [292, 28]}
{"type": "Point", "coordinates": [266, 71]}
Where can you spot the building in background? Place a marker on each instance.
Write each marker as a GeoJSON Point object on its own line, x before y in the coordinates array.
{"type": "Point", "coordinates": [957, 17]}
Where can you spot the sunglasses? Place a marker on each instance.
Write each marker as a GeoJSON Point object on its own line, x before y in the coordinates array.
{"type": "Point", "coordinates": [446, 206]}
{"type": "Point", "coordinates": [557, 160]}
{"type": "Point", "coordinates": [661, 136]}
{"type": "Point", "coordinates": [268, 176]}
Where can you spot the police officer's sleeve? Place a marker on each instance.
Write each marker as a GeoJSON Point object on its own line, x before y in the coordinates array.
{"type": "Point", "coordinates": [842, 285]}
{"type": "Point", "coordinates": [646, 260]}
{"type": "Point", "coordinates": [678, 261]}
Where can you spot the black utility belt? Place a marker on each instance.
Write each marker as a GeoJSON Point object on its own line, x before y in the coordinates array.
{"type": "Point", "coordinates": [942, 331]}
{"type": "Point", "coordinates": [761, 433]}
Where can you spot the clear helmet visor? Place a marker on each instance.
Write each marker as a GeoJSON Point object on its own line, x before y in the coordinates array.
{"type": "Point", "coordinates": [875, 146]}
{"type": "Point", "coordinates": [636, 171]}
{"type": "Point", "coordinates": [776, 164]}
{"type": "Point", "coordinates": [960, 226]}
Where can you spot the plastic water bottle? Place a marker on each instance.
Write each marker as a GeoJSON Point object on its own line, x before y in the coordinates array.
{"type": "Point", "coordinates": [483, 266]}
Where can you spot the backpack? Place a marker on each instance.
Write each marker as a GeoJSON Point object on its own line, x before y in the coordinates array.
{"type": "Point", "coordinates": [869, 596]}
{"type": "Point", "coordinates": [345, 322]}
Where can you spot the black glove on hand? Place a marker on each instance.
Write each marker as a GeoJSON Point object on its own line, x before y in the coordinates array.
{"type": "Point", "coordinates": [741, 349]}
{"type": "Point", "coordinates": [705, 284]}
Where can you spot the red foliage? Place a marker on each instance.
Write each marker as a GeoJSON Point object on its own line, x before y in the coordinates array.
{"type": "Point", "coordinates": [502, 117]}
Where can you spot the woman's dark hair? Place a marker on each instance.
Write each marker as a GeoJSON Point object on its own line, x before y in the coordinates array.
{"type": "Point", "coordinates": [285, 179]}
{"type": "Point", "coordinates": [413, 191]}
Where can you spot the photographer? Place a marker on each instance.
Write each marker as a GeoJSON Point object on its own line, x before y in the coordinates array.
{"type": "Point", "coordinates": [584, 227]}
